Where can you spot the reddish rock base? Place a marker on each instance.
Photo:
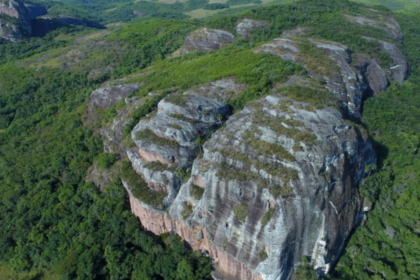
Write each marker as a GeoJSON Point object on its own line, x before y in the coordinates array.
{"type": "Point", "coordinates": [159, 222]}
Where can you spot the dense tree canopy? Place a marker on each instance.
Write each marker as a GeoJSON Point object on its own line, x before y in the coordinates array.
{"type": "Point", "coordinates": [55, 225]}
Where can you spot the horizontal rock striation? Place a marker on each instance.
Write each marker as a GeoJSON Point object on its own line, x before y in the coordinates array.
{"type": "Point", "coordinates": [293, 166]}
{"type": "Point", "coordinates": [168, 142]}
{"type": "Point", "coordinates": [174, 134]}
{"type": "Point", "coordinates": [105, 97]}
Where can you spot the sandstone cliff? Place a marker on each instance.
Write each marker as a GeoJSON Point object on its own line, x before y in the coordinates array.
{"type": "Point", "coordinates": [15, 21]}
{"type": "Point", "coordinates": [274, 183]}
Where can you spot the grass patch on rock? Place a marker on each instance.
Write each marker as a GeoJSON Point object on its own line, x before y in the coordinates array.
{"type": "Point", "coordinates": [196, 192]}
{"type": "Point", "coordinates": [267, 217]}
{"type": "Point", "coordinates": [187, 210]}
{"type": "Point", "coordinates": [156, 166]}
{"type": "Point", "coordinates": [176, 99]}
{"type": "Point", "coordinates": [140, 189]}
{"type": "Point", "coordinates": [148, 136]}
{"type": "Point", "coordinates": [241, 211]}
{"type": "Point", "coordinates": [263, 255]}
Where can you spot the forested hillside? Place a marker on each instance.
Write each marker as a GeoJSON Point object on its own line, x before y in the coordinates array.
{"type": "Point", "coordinates": [55, 224]}
{"type": "Point", "coordinates": [110, 11]}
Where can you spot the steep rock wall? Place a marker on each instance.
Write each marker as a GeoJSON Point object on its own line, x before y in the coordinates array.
{"type": "Point", "coordinates": [15, 21]}
{"type": "Point", "coordinates": [285, 158]}
{"type": "Point", "coordinates": [277, 182]}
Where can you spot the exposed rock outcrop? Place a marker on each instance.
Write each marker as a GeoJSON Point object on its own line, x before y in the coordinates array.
{"type": "Point", "coordinates": [104, 97]}
{"type": "Point", "coordinates": [206, 39]}
{"type": "Point", "coordinates": [35, 10]}
{"type": "Point", "coordinates": [350, 82]}
{"type": "Point", "coordinates": [245, 26]}
{"type": "Point", "coordinates": [174, 134]}
{"type": "Point", "coordinates": [112, 135]}
{"type": "Point", "coordinates": [15, 21]}
{"type": "Point", "coordinates": [276, 181]}
{"type": "Point", "coordinates": [386, 23]}
{"type": "Point", "coordinates": [293, 169]}
{"type": "Point", "coordinates": [285, 48]}
{"type": "Point", "coordinates": [222, 90]}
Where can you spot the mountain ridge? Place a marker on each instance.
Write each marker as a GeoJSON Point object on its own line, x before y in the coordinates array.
{"type": "Point", "coordinates": [282, 153]}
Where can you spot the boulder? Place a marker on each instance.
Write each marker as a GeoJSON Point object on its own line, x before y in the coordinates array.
{"type": "Point", "coordinates": [350, 82]}
{"type": "Point", "coordinates": [206, 39]}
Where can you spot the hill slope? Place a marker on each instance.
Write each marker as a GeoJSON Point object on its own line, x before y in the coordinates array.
{"type": "Point", "coordinates": [245, 141]}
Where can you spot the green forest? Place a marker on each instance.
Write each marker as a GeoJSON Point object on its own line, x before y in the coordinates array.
{"type": "Point", "coordinates": [54, 224]}
{"type": "Point", "coordinates": [390, 241]}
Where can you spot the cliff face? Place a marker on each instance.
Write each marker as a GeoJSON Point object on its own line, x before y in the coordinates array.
{"type": "Point", "coordinates": [15, 21]}
{"type": "Point", "coordinates": [292, 168]}
{"type": "Point", "coordinates": [276, 181]}
{"type": "Point", "coordinates": [35, 10]}
{"type": "Point", "coordinates": [206, 39]}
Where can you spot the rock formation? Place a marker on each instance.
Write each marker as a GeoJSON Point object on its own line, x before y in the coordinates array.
{"type": "Point", "coordinates": [349, 82]}
{"type": "Point", "coordinates": [15, 21]}
{"type": "Point", "coordinates": [206, 39]}
{"type": "Point", "coordinates": [386, 23]}
{"type": "Point", "coordinates": [273, 183]}
{"type": "Point", "coordinates": [19, 20]}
